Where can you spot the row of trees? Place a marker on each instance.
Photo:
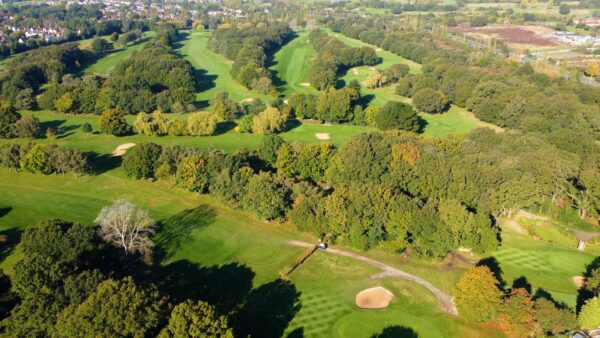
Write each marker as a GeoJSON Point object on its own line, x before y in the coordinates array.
{"type": "Point", "coordinates": [480, 297]}
{"type": "Point", "coordinates": [44, 159]}
{"type": "Point", "coordinates": [334, 57]}
{"type": "Point", "coordinates": [249, 49]}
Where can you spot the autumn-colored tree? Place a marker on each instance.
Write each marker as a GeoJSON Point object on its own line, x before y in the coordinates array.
{"type": "Point", "coordinates": [517, 316]}
{"type": "Point", "coordinates": [192, 173]}
{"type": "Point", "coordinates": [269, 121]}
{"type": "Point", "coordinates": [589, 316]}
{"type": "Point", "coordinates": [202, 124]}
{"type": "Point", "coordinates": [478, 296]}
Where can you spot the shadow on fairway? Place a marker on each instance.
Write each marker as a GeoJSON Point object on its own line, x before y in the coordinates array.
{"type": "Point", "coordinates": [13, 237]}
{"type": "Point", "coordinates": [396, 332]}
{"type": "Point", "coordinates": [223, 286]}
{"type": "Point", "coordinates": [268, 310]}
{"type": "Point", "coordinates": [177, 229]}
{"type": "Point", "coordinates": [4, 211]}
{"type": "Point", "coordinates": [102, 163]}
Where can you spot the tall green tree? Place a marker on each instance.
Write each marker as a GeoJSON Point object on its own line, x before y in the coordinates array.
{"type": "Point", "coordinates": [115, 309]}
{"type": "Point", "coordinates": [141, 161]}
{"type": "Point", "coordinates": [199, 319]}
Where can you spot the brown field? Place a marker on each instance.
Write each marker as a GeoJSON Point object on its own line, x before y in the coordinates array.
{"type": "Point", "coordinates": [514, 35]}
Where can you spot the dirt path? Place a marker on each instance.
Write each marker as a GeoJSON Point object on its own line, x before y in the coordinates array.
{"type": "Point", "coordinates": [445, 300]}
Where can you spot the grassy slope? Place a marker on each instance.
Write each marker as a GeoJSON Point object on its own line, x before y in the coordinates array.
{"type": "Point", "coordinates": [212, 235]}
{"type": "Point", "coordinates": [291, 65]}
{"type": "Point", "coordinates": [213, 70]}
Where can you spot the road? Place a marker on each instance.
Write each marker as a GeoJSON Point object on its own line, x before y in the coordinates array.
{"type": "Point", "coordinates": [446, 301]}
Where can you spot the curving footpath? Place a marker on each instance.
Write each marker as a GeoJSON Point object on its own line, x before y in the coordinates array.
{"type": "Point", "coordinates": [445, 300]}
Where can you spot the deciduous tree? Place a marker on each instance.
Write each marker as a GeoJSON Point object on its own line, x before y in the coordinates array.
{"type": "Point", "coordinates": [124, 225]}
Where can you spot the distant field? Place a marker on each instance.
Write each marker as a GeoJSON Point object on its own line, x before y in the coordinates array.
{"type": "Point", "coordinates": [104, 65]}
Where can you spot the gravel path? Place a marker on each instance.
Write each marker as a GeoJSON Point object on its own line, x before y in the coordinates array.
{"type": "Point", "coordinates": [445, 300]}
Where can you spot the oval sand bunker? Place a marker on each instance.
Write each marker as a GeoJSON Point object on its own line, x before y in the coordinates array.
{"type": "Point", "coordinates": [374, 298]}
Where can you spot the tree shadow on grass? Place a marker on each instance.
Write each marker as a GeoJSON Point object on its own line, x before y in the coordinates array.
{"type": "Point", "coordinates": [268, 310]}
{"type": "Point", "coordinates": [4, 211]}
{"type": "Point", "coordinates": [224, 127]}
{"type": "Point", "coordinates": [102, 163]}
{"type": "Point", "coordinates": [291, 124]}
{"type": "Point", "coordinates": [493, 264]}
{"type": "Point", "coordinates": [396, 331]}
{"type": "Point", "coordinates": [297, 333]}
{"type": "Point", "coordinates": [177, 229]}
{"type": "Point", "coordinates": [13, 237]}
{"type": "Point", "coordinates": [56, 125]}
{"type": "Point", "coordinates": [223, 286]}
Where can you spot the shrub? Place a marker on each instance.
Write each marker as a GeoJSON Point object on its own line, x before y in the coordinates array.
{"type": "Point", "coordinates": [86, 127]}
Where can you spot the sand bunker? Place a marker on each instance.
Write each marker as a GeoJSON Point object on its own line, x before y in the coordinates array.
{"type": "Point", "coordinates": [120, 150]}
{"type": "Point", "coordinates": [374, 298]}
{"type": "Point", "coordinates": [249, 100]}
{"type": "Point", "coordinates": [378, 49]}
{"type": "Point", "coordinates": [323, 136]}
{"type": "Point", "coordinates": [579, 281]}
{"type": "Point", "coordinates": [286, 101]}
{"type": "Point", "coordinates": [355, 71]}
{"type": "Point", "coordinates": [305, 84]}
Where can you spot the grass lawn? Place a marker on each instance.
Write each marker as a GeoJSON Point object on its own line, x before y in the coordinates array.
{"type": "Point", "coordinates": [549, 262]}
{"type": "Point", "coordinates": [104, 65]}
{"type": "Point", "coordinates": [291, 65]}
{"type": "Point", "coordinates": [227, 140]}
{"type": "Point", "coordinates": [212, 70]}
{"type": "Point", "coordinates": [196, 231]}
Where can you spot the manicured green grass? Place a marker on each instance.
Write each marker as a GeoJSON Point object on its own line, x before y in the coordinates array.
{"type": "Point", "coordinates": [104, 65]}
{"type": "Point", "coordinates": [291, 65]}
{"type": "Point", "coordinates": [546, 265]}
{"type": "Point", "coordinates": [212, 70]}
{"type": "Point", "coordinates": [228, 140]}
{"type": "Point", "coordinates": [198, 231]}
